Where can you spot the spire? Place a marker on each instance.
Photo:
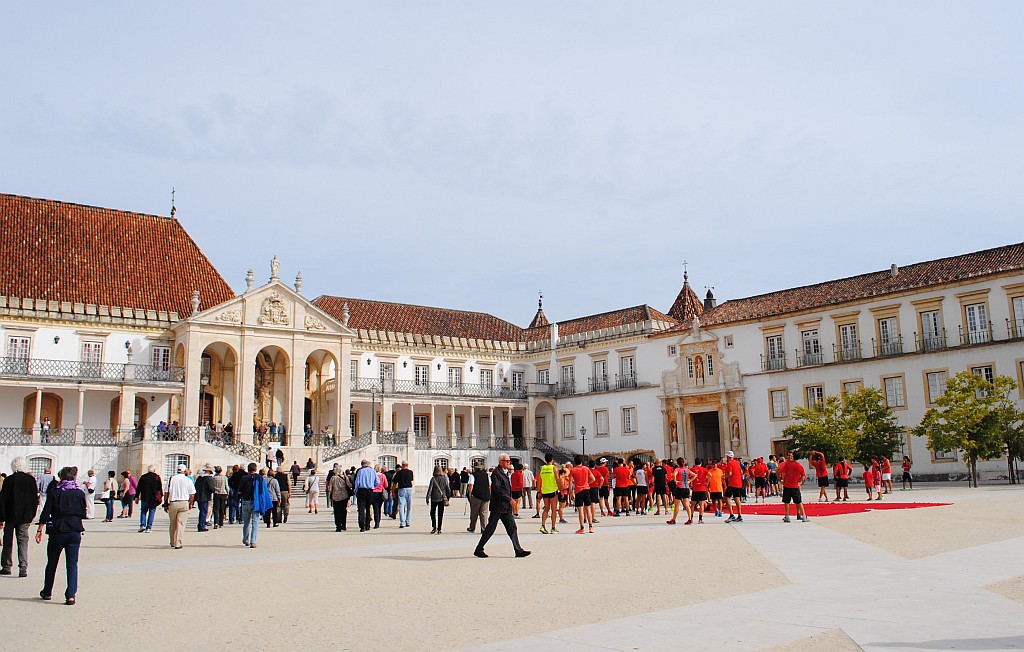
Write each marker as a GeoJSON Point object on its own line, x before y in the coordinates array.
{"type": "Point", "coordinates": [173, 209]}
{"type": "Point", "coordinates": [687, 305]}
{"type": "Point", "coordinates": [540, 319]}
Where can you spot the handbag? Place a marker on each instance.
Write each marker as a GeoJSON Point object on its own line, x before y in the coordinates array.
{"type": "Point", "coordinates": [443, 497]}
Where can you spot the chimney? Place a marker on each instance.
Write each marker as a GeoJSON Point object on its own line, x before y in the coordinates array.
{"type": "Point", "coordinates": [709, 300]}
{"type": "Point", "coordinates": [894, 271]}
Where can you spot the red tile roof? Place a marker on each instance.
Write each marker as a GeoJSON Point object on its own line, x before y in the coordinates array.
{"type": "Point", "coordinates": [82, 254]}
{"type": "Point", "coordinates": [385, 316]}
{"type": "Point", "coordinates": [686, 304]}
{"type": "Point", "coordinates": [871, 285]}
{"type": "Point", "coordinates": [539, 320]}
{"type": "Point", "coordinates": [623, 317]}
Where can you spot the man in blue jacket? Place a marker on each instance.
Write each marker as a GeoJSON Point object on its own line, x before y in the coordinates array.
{"type": "Point", "coordinates": [366, 480]}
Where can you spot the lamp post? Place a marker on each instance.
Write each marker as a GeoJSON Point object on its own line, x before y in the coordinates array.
{"type": "Point", "coordinates": [583, 438]}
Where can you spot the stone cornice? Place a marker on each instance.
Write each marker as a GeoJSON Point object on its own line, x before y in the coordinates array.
{"type": "Point", "coordinates": [77, 313]}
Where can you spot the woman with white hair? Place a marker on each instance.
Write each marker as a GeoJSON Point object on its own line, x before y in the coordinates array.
{"type": "Point", "coordinates": [312, 488]}
{"type": "Point", "coordinates": [62, 517]}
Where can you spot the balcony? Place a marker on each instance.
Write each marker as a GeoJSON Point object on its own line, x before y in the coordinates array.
{"type": "Point", "coordinates": [773, 362]}
{"type": "Point", "coordinates": [599, 384]}
{"type": "Point", "coordinates": [1015, 329]}
{"type": "Point", "coordinates": [847, 352]}
{"type": "Point", "coordinates": [806, 359]}
{"type": "Point", "coordinates": [566, 388]}
{"type": "Point", "coordinates": [888, 347]}
{"type": "Point", "coordinates": [100, 372]}
{"type": "Point", "coordinates": [625, 381]}
{"type": "Point", "coordinates": [412, 387]}
{"type": "Point", "coordinates": [931, 342]}
{"type": "Point", "coordinates": [982, 334]}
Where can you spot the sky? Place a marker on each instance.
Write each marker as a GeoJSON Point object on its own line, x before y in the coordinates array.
{"type": "Point", "coordinates": [470, 155]}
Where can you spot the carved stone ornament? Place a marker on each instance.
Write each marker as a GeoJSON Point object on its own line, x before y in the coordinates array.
{"type": "Point", "coordinates": [314, 324]}
{"type": "Point", "coordinates": [233, 316]}
{"type": "Point", "coordinates": [274, 312]}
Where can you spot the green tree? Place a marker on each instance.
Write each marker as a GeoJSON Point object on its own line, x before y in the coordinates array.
{"type": "Point", "coordinates": [879, 433]}
{"type": "Point", "coordinates": [977, 417]}
{"type": "Point", "coordinates": [822, 427]}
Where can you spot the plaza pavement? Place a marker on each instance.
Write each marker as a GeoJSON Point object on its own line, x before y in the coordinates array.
{"type": "Point", "coordinates": [858, 581]}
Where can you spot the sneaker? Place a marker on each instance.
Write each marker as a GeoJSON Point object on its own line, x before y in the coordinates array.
{"type": "Point", "coordinates": [535, 516]}
{"type": "Point", "coordinates": [142, 529]}
{"type": "Point", "coordinates": [671, 521]}
{"type": "Point", "coordinates": [543, 530]}
{"type": "Point", "coordinates": [5, 571]}
{"type": "Point", "coordinates": [700, 521]}
{"type": "Point", "coordinates": [785, 519]}
{"type": "Point", "coordinates": [718, 513]}
{"type": "Point", "coordinates": [562, 521]}
{"type": "Point", "coordinates": [591, 530]}
{"type": "Point", "coordinates": [581, 531]}
{"type": "Point", "coordinates": [730, 519]}
{"type": "Point", "coordinates": [688, 522]}
{"type": "Point", "coordinates": [23, 573]}
{"type": "Point", "coordinates": [480, 553]}
{"type": "Point", "coordinates": [554, 531]}
{"type": "Point", "coordinates": [522, 553]}
{"type": "Point", "coordinates": [799, 518]}
{"type": "Point", "coordinates": [738, 520]}
{"type": "Point", "coordinates": [807, 520]}
{"type": "Point", "coordinates": [149, 530]}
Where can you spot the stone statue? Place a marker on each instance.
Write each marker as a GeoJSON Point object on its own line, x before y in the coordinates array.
{"type": "Point", "coordinates": [250, 280]}
{"type": "Point", "coordinates": [275, 269]}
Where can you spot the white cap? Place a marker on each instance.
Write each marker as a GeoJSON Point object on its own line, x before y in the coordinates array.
{"type": "Point", "coordinates": [729, 454]}
{"type": "Point", "coordinates": [181, 468]}
{"type": "Point", "coordinates": [604, 459]}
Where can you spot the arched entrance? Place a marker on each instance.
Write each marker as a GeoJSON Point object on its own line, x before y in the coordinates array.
{"type": "Point", "coordinates": [321, 366]}
{"type": "Point", "coordinates": [217, 384]}
{"type": "Point", "coordinates": [51, 407]}
{"type": "Point", "coordinates": [139, 416]}
{"type": "Point", "coordinates": [270, 390]}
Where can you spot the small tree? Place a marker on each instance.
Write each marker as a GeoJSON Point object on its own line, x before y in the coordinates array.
{"type": "Point", "coordinates": [975, 416]}
{"type": "Point", "coordinates": [822, 427]}
{"type": "Point", "coordinates": [879, 432]}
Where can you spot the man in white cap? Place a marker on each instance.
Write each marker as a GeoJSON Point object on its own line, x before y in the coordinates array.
{"type": "Point", "coordinates": [734, 490]}
{"type": "Point", "coordinates": [179, 499]}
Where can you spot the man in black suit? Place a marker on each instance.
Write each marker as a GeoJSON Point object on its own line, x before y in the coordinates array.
{"type": "Point", "coordinates": [501, 509]}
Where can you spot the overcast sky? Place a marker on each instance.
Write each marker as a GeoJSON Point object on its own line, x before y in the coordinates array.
{"type": "Point", "coordinates": [467, 155]}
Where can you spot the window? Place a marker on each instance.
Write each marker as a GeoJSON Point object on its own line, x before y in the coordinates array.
{"type": "Point", "coordinates": [936, 381]}
{"type": "Point", "coordinates": [895, 397]}
{"type": "Point", "coordinates": [629, 420]}
{"type": "Point", "coordinates": [541, 428]}
{"type": "Point", "coordinates": [568, 426]}
{"type": "Point", "coordinates": [728, 341]}
{"type": "Point", "coordinates": [517, 380]}
{"type": "Point", "coordinates": [780, 403]}
{"type": "Point", "coordinates": [455, 376]}
{"type": "Point", "coordinates": [985, 371]}
{"type": "Point", "coordinates": [353, 423]}
{"type": "Point", "coordinates": [849, 345]}
{"type": "Point", "coordinates": [421, 373]}
{"type": "Point", "coordinates": [353, 370]}
{"type": "Point", "coordinates": [600, 375]}
{"type": "Point", "coordinates": [487, 377]}
{"type": "Point", "coordinates": [389, 462]}
{"type": "Point", "coordinates": [37, 466]}
{"type": "Point", "coordinates": [161, 358]}
{"type": "Point", "coordinates": [421, 425]}
{"type": "Point", "coordinates": [932, 337]}
{"type": "Point", "coordinates": [456, 426]}
{"type": "Point", "coordinates": [944, 456]}
{"type": "Point", "coordinates": [775, 352]}
{"type": "Point", "coordinates": [568, 380]}
{"type": "Point", "coordinates": [689, 367]}
{"type": "Point", "coordinates": [627, 366]}
{"type": "Point", "coordinates": [1017, 325]}
{"type": "Point", "coordinates": [387, 371]}
{"type": "Point", "coordinates": [975, 315]}
{"type": "Point", "coordinates": [711, 365]}
{"type": "Point", "coordinates": [92, 358]}
{"type": "Point", "coordinates": [888, 336]}
{"type": "Point", "coordinates": [485, 426]}
{"type": "Point", "coordinates": [601, 423]}
{"type": "Point", "coordinates": [17, 355]}
{"type": "Point", "coordinates": [812, 346]}
{"type": "Point", "coordinates": [543, 377]}
{"type": "Point", "coordinates": [851, 386]}
{"type": "Point", "coordinates": [441, 462]}
{"type": "Point", "coordinates": [671, 349]}
{"type": "Point", "coordinates": [171, 463]}
{"type": "Point", "coordinates": [815, 395]}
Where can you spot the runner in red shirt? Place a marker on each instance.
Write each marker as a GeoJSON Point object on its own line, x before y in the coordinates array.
{"type": "Point", "coordinates": [886, 475]}
{"type": "Point", "coordinates": [603, 489]}
{"type": "Point", "coordinates": [876, 474]}
{"type": "Point", "coordinates": [869, 481]}
{"type": "Point", "coordinates": [582, 478]}
{"type": "Point", "coordinates": [906, 474]}
{"type": "Point", "coordinates": [792, 474]}
{"type": "Point", "coordinates": [699, 483]}
{"type": "Point", "coordinates": [760, 473]}
{"type": "Point", "coordinates": [817, 460]}
{"type": "Point", "coordinates": [842, 472]}
{"type": "Point", "coordinates": [734, 490]}
{"type": "Point", "coordinates": [621, 474]}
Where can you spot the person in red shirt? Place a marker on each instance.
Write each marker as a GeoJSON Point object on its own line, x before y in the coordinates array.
{"type": "Point", "coordinates": [792, 474]}
{"type": "Point", "coordinates": [734, 490]}
{"type": "Point", "coordinates": [869, 481]}
{"type": "Point", "coordinates": [876, 475]}
{"type": "Point", "coordinates": [906, 474]}
{"type": "Point", "coordinates": [621, 475]}
{"type": "Point", "coordinates": [886, 475]}
{"type": "Point", "coordinates": [517, 488]}
{"type": "Point", "coordinates": [581, 479]}
{"type": "Point", "coordinates": [760, 473]}
{"type": "Point", "coordinates": [603, 489]}
{"type": "Point", "coordinates": [821, 474]}
{"type": "Point", "coordinates": [842, 473]}
{"type": "Point", "coordinates": [699, 483]}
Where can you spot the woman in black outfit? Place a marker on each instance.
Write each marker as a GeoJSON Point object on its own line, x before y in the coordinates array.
{"type": "Point", "coordinates": [438, 493]}
{"type": "Point", "coordinates": [62, 516]}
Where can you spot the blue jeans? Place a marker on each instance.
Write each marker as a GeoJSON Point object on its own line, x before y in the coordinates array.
{"type": "Point", "coordinates": [234, 510]}
{"type": "Point", "coordinates": [146, 514]}
{"type": "Point", "coordinates": [204, 513]}
{"type": "Point", "coordinates": [68, 543]}
{"type": "Point", "coordinates": [250, 523]}
{"type": "Point", "coordinates": [404, 505]}
{"type": "Point", "coordinates": [110, 508]}
{"type": "Point", "coordinates": [388, 504]}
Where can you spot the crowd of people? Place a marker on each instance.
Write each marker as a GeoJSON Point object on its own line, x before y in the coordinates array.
{"type": "Point", "coordinates": [246, 496]}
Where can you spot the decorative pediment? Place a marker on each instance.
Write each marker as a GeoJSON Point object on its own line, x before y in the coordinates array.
{"type": "Point", "coordinates": [274, 311]}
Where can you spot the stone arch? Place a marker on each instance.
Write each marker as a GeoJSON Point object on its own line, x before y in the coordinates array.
{"type": "Point", "coordinates": [270, 389]}
{"type": "Point", "coordinates": [51, 407]}
{"type": "Point", "coordinates": [140, 415]}
{"type": "Point", "coordinates": [320, 366]}
{"type": "Point", "coordinates": [545, 410]}
{"type": "Point", "coordinates": [218, 383]}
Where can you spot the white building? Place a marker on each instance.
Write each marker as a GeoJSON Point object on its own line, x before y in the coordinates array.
{"type": "Point", "coordinates": [114, 323]}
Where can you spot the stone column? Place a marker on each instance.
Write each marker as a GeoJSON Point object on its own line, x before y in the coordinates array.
{"type": "Point", "coordinates": [433, 426]}
{"type": "Point", "coordinates": [79, 425]}
{"type": "Point", "coordinates": [490, 435]}
{"type": "Point", "coordinates": [530, 427]}
{"type": "Point", "coordinates": [193, 372]}
{"type": "Point", "coordinates": [741, 413]}
{"type": "Point", "coordinates": [451, 427]}
{"type": "Point", "coordinates": [296, 411]}
{"type": "Point", "coordinates": [36, 432]}
{"type": "Point", "coordinates": [472, 426]}
{"type": "Point", "coordinates": [682, 436]}
{"type": "Point", "coordinates": [126, 410]}
{"type": "Point", "coordinates": [343, 390]}
{"type": "Point", "coordinates": [724, 436]}
{"type": "Point", "coordinates": [246, 409]}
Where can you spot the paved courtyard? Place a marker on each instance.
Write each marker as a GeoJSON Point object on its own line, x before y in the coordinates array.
{"type": "Point", "coordinates": [933, 578]}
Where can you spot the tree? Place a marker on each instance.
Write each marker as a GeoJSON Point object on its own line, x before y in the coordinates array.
{"type": "Point", "coordinates": [879, 432]}
{"type": "Point", "coordinates": [822, 427]}
{"type": "Point", "coordinates": [975, 416]}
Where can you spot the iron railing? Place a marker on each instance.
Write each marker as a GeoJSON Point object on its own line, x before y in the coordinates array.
{"type": "Point", "coordinates": [599, 384]}
{"type": "Point", "coordinates": [560, 455]}
{"type": "Point", "coordinates": [805, 359]}
{"type": "Point", "coordinates": [625, 381]}
{"type": "Point", "coordinates": [58, 437]}
{"type": "Point", "coordinates": [16, 436]}
{"type": "Point", "coordinates": [934, 342]}
{"type": "Point", "coordinates": [99, 437]}
{"type": "Point", "coordinates": [175, 433]}
{"type": "Point", "coordinates": [1015, 329]}
{"type": "Point", "coordinates": [392, 437]}
{"type": "Point", "coordinates": [219, 437]}
{"type": "Point", "coordinates": [773, 363]}
{"type": "Point", "coordinates": [462, 390]}
{"type": "Point", "coordinates": [981, 335]}
{"type": "Point", "coordinates": [501, 444]}
{"type": "Point", "coordinates": [566, 388]}
{"type": "Point", "coordinates": [890, 347]}
{"type": "Point", "coordinates": [240, 448]}
{"type": "Point", "coordinates": [346, 447]}
{"type": "Point", "coordinates": [89, 371]}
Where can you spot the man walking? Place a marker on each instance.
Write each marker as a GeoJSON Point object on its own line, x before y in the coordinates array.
{"type": "Point", "coordinates": [180, 498]}
{"type": "Point", "coordinates": [528, 481]}
{"type": "Point", "coordinates": [220, 497]}
{"type": "Point", "coordinates": [19, 501]}
{"type": "Point", "coordinates": [366, 481]}
{"type": "Point", "coordinates": [286, 493]}
{"type": "Point", "coordinates": [479, 493]}
{"type": "Point", "coordinates": [339, 490]}
{"type": "Point", "coordinates": [792, 474]}
{"type": "Point", "coordinates": [501, 509]}
{"type": "Point", "coordinates": [247, 489]}
{"type": "Point", "coordinates": [148, 493]}
{"type": "Point", "coordinates": [89, 489]}
{"type": "Point", "coordinates": [43, 482]}
{"type": "Point", "coordinates": [403, 480]}
{"type": "Point", "coordinates": [734, 491]}
{"type": "Point", "coordinates": [204, 494]}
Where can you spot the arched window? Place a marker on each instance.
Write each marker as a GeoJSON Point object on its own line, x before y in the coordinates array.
{"type": "Point", "coordinates": [441, 462]}
{"type": "Point", "coordinates": [171, 463]}
{"type": "Point", "coordinates": [37, 466]}
{"type": "Point", "coordinates": [478, 461]}
{"type": "Point", "coordinates": [388, 462]}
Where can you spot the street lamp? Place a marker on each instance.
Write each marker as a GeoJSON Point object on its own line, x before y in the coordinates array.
{"type": "Point", "coordinates": [583, 438]}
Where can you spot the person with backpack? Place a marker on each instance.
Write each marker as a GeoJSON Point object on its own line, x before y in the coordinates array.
{"type": "Point", "coordinates": [479, 490]}
{"type": "Point", "coordinates": [251, 488]}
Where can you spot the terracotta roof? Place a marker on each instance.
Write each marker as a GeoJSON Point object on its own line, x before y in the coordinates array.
{"type": "Point", "coordinates": [539, 320]}
{"type": "Point", "coordinates": [871, 285]}
{"type": "Point", "coordinates": [82, 254]}
{"type": "Point", "coordinates": [422, 320]}
{"type": "Point", "coordinates": [686, 304]}
{"type": "Point", "coordinates": [623, 317]}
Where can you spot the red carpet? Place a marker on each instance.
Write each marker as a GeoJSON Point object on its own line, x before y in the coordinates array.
{"type": "Point", "coordinates": [832, 509]}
